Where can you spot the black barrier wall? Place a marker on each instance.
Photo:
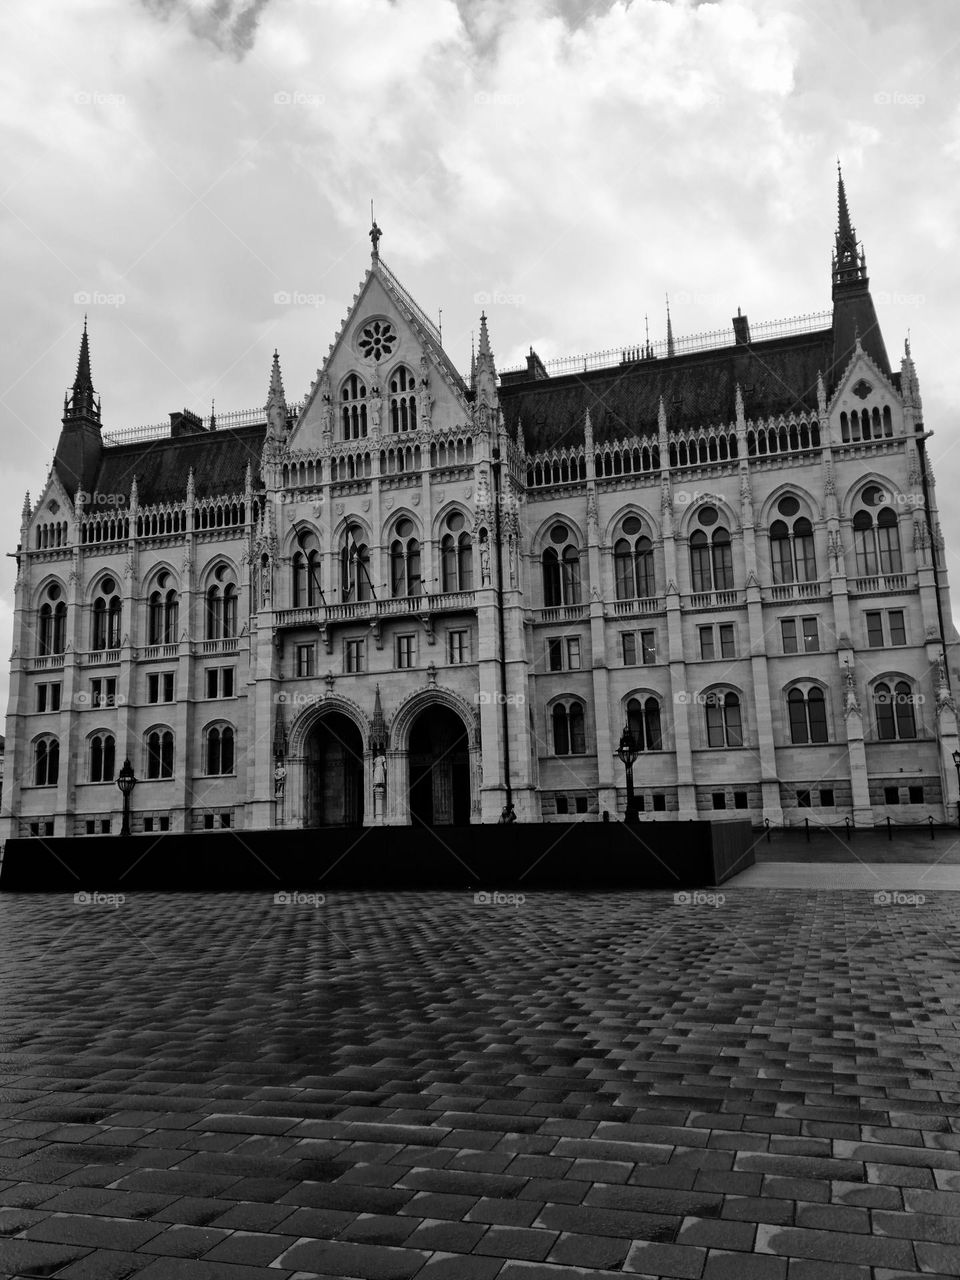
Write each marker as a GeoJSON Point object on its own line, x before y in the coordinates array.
{"type": "Point", "coordinates": [527, 856]}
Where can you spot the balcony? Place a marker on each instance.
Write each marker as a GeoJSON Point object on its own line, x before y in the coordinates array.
{"type": "Point", "coordinates": [798, 591]}
{"type": "Point", "coordinates": [101, 657]}
{"type": "Point", "coordinates": [711, 600]}
{"type": "Point", "coordinates": [638, 606]}
{"type": "Point", "coordinates": [373, 610]}
{"type": "Point", "coordinates": [879, 585]}
{"type": "Point", "coordinates": [154, 652]}
{"type": "Point", "coordinates": [48, 662]}
{"type": "Point", "coordinates": [229, 644]}
{"type": "Point", "coordinates": [563, 613]}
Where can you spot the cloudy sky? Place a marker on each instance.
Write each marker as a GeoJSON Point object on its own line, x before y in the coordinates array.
{"type": "Point", "coordinates": [183, 163]}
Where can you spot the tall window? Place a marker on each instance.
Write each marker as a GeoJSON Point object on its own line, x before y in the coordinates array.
{"type": "Point", "coordinates": [403, 401]}
{"type": "Point", "coordinates": [643, 721]}
{"type": "Point", "coordinates": [353, 408]}
{"type": "Point", "coordinates": [561, 568]}
{"type": "Point", "coordinates": [792, 552]}
{"type": "Point", "coordinates": [219, 754]}
{"type": "Point", "coordinates": [808, 715]}
{"type": "Point", "coordinates": [405, 577]}
{"type": "Point", "coordinates": [102, 757]}
{"type": "Point", "coordinates": [221, 606]}
{"type": "Point", "coordinates": [354, 566]}
{"type": "Point", "coordinates": [876, 535]}
{"type": "Point", "coordinates": [164, 612]}
{"type": "Point", "coordinates": [633, 561]}
{"type": "Point", "coordinates": [724, 722]}
{"type": "Point", "coordinates": [456, 555]}
{"type": "Point", "coordinates": [46, 762]}
{"type": "Point", "coordinates": [160, 754]}
{"type": "Point", "coordinates": [569, 738]}
{"type": "Point", "coordinates": [52, 637]}
{"type": "Point", "coordinates": [711, 555]}
{"type": "Point", "coordinates": [106, 616]}
{"type": "Point", "coordinates": [893, 706]}
{"type": "Point", "coordinates": [306, 576]}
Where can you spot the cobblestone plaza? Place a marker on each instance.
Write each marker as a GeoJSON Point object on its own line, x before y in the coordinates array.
{"type": "Point", "coordinates": [756, 1082]}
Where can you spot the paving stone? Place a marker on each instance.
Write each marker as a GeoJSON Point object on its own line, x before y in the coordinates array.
{"type": "Point", "coordinates": [596, 1252]}
{"type": "Point", "coordinates": [105, 1264]}
{"type": "Point", "coordinates": [184, 1242]}
{"type": "Point", "coordinates": [833, 1246]}
{"type": "Point", "coordinates": [95, 1232]}
{"type": "Point", "coordinates": [674, 1260]}
{"type": "Point", "coordinates": [372, 1262]}
{"type": "Point", "coordinates": [36, 1258]}
{"type": "Point", "coordinates": [457, 1266]}
{"type": "Point", "coordinates": [445, 1237]}
{"type": "Point", "coordinates": [516, 1242]}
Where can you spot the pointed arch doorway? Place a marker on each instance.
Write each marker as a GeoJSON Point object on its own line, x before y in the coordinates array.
{"type": "Point", "coordinates": [439, 759]}
{"type": "Point", "coordinates": [333, 773]}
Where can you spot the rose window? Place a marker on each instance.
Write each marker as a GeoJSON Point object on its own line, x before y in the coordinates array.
{"type": "Point", "coordinates": [377, 339]}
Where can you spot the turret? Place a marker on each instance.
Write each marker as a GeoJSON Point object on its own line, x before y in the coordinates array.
{"type": "Point", "coordinates": [853, 309]}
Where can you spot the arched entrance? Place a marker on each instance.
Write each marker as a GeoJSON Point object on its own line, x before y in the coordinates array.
{"type": "Point", "coordinates": [439, 756]}
{"type": "Point", "coordinates": [333, 773]}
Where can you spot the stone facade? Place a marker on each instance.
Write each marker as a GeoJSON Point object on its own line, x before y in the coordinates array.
{"type": "Point", "coordinates": [416, 596]}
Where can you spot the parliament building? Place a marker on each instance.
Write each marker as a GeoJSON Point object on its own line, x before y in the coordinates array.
{"type": "Point", "coordinates": [418, 596]}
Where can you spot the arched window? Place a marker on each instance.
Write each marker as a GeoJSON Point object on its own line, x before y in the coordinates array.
{"type": "Point", "coordinates": [221, 606]}
{"type": "Point", "coordinates": [219, 752]}
{"type": "Point", "coordinates": [711, 554]}
{"type": "Point", "coordinates": [46, 762]}
{"type": "Point", "coordinates": [102, 757]}
{"type": "Point", "coordinates": [561, 568]}
{"type": "Point", "coordinates": [643, 721]}
{"type": "Point", "coordinates": [160, 754]}
{"type": "Point", "coordinates": [353, 408]}
{"type": "Point", "coordinates": [107, 612]}
{"type": "Point", "coordinates": [403, 401]}
{"type": "Point", "coordinates": [724, 723]}
{"type": "Point", "coordinates": [792, 553]}
{"type": "Point", "coordinates": [456, 555]}
{"type": "Point", "coordinates": [569, 738]}
{"type": "Point", "coordinates": [876, 537]}
{"type": "Point", "coordinates": [808, 715]}
{"type": "Point", "coordinates": [354, 566]}
{"type": "Point", "coordinates": [633, 562]}
{"type": "Point", "coordinates": [164, 612]}
{"type": "Point", "coordinates": [894, 710]}
{"type": "Point", "coordinates": [52, 628]}
{"type": "Point", "coordinates": [405, 577]}
{"type": "Point", "coordinates": [306, 574]}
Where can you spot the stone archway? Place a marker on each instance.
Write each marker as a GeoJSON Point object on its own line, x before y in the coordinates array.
{"type": "Point", "coordinates": [439, 768]}
{"type": "Point", "coordinates": [333, 780]}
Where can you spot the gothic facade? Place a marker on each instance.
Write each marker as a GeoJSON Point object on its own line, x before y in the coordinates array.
{"type": "Point", "coordinates": [421, 597]}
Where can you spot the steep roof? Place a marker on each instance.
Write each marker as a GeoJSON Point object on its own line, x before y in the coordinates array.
{"type": "Point", "coordinates": [778, 375]}
{"type": "Point", "coordinates": [219, 460]}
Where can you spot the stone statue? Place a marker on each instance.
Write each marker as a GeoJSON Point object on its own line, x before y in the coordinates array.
{"type": "Point", "coordinates": [485, 563]}
{"type": "Point", "coordinates": [376, 406]}
{"type": "Point", "coordinates": [379, 771]}
{"type": "Point", "coordinates": [279, 781]}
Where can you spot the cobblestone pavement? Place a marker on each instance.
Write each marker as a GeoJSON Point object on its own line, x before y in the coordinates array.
{"type": "Point", "coordinates": [762, 1087]}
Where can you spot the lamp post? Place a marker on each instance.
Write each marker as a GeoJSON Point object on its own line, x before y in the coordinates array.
{"type": "Point", "coordinates": [627, 753]}
{"type": "Point", "coordinates": [956, 764]}
{"type": "Point", "coordinates": [126, 781]}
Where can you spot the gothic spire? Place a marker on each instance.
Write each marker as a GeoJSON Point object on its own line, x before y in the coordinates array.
{"type": "Point", "coordinates": [671, 350]}
{"type": "Point", "coordinates": [378, 726]}
{"type": "Point", "coordinates": [849, 262]}
{"type": "Point", "coordinates": [80, 401]}
{"type": "Point", "coordinates": [473, 364]}
{"type": "Point", "coordinates": [486, 377]}
{"type": "Point", "coordinates": [276, 406]}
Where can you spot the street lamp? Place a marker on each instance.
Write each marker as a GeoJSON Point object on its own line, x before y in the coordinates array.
{"type": "Point", "coordinates": [126, 781]}
{"type": "Point", "coordinates": [627, 752]}
{"type": "Point", "coordinates": [956, 764]}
